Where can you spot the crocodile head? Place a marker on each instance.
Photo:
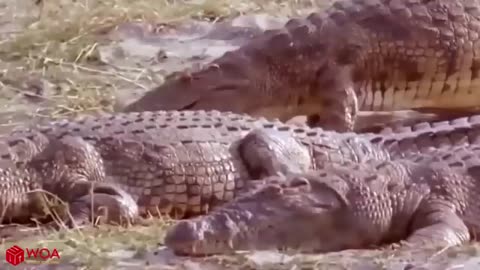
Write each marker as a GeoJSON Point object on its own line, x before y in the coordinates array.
{"type": "Point", "coordinates": [228, 85]}
{"type": "Point", "coordinates": [209, 88]}
{"type": "Point", "coordinates": [303, 212]}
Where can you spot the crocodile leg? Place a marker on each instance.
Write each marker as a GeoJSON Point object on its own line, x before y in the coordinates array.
{"type": "Point", "coordinates": [437, 219]}
{"type": "Point", "coordinates": [105, 204]}
{"type": "Point", "coordinates": [21, 200]}
{"type": "Point", "coordinates": [438, 224]}
{"type": "Point", "coordinates": [73, 170]}
{"type": "Point", "coordinates": [269, 152]}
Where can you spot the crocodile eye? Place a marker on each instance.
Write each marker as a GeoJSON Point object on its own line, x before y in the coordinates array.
{"type": "Point", "coordinates": [299, 181]}
{"type": "Point", "coordinates": [272, 190]}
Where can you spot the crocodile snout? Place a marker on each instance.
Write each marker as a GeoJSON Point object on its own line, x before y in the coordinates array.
{"type": "Point", "coordinates": [201, 236]}
{"type": "Point", "coordinates": [181, 235]}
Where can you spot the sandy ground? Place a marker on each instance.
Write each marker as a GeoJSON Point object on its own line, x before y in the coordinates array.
{"type": "Point", "coordinates": [134, 56]}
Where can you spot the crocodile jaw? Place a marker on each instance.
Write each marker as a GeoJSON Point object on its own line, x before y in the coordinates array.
{"type": "Point", "coordinates": [270, 218]}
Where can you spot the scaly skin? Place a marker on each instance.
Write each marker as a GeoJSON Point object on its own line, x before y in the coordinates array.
{"type": "Point", "coordinates": [69, 170]}
{"type": "Point", "coordinates": [175, 163]}
{"type": "Point", "coordinates": [433, 200]}
{"type": "Point", "coordinates": [184, 163]}
{"type": "Point", "coordinates": [355, 55]}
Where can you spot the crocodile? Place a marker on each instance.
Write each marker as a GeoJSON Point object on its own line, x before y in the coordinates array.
{"type": "Point", "coordinates": [27, 198]}
{"type": "Point", "coordinates": [184, 163]}
{"type": "Point", "coordinates": [169, 162]}
{"type": "Point", "coordinates": [356, 55]}
{"type": "Point", "coordinates": [400, 204]}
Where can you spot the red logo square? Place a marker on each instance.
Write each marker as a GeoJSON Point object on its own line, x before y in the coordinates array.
{"type": "Point", "coordinates": [15, 255]}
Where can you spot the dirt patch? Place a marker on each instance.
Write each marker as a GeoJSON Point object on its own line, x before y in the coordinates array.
{"type": "Point", "coordinates": [77, 57]}
{"type": "Point", "coordinates": [141, 247]}
{"type": "Point", "coordinates": [63, 58]}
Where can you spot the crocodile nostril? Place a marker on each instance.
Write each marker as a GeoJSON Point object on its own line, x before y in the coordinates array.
{"type": "Point", "coordinates": [181, 234]}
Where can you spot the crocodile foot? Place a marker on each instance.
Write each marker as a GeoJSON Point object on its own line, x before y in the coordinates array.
{"type": "Point", "coordinates": [68, 170]}
{"type": "Point", "coordinates": [106, 204]}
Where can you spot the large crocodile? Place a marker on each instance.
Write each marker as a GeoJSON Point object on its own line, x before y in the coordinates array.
{"type": "Point", "coordinates": [430, 201]}
{"type": "Point", "coordinates": [177, 163]}
{"type": "Point", "coordinates": [185, 163]}
{"type": "Point", "coordinates": [355, 55]}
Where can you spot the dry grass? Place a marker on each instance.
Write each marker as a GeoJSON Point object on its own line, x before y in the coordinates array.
{"type": "Point", "coordinates": [60, 46]}
{"type": "Point", "coordinates": [96, 247]}
{"type": "Point", "coordinates": [58, 51]}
